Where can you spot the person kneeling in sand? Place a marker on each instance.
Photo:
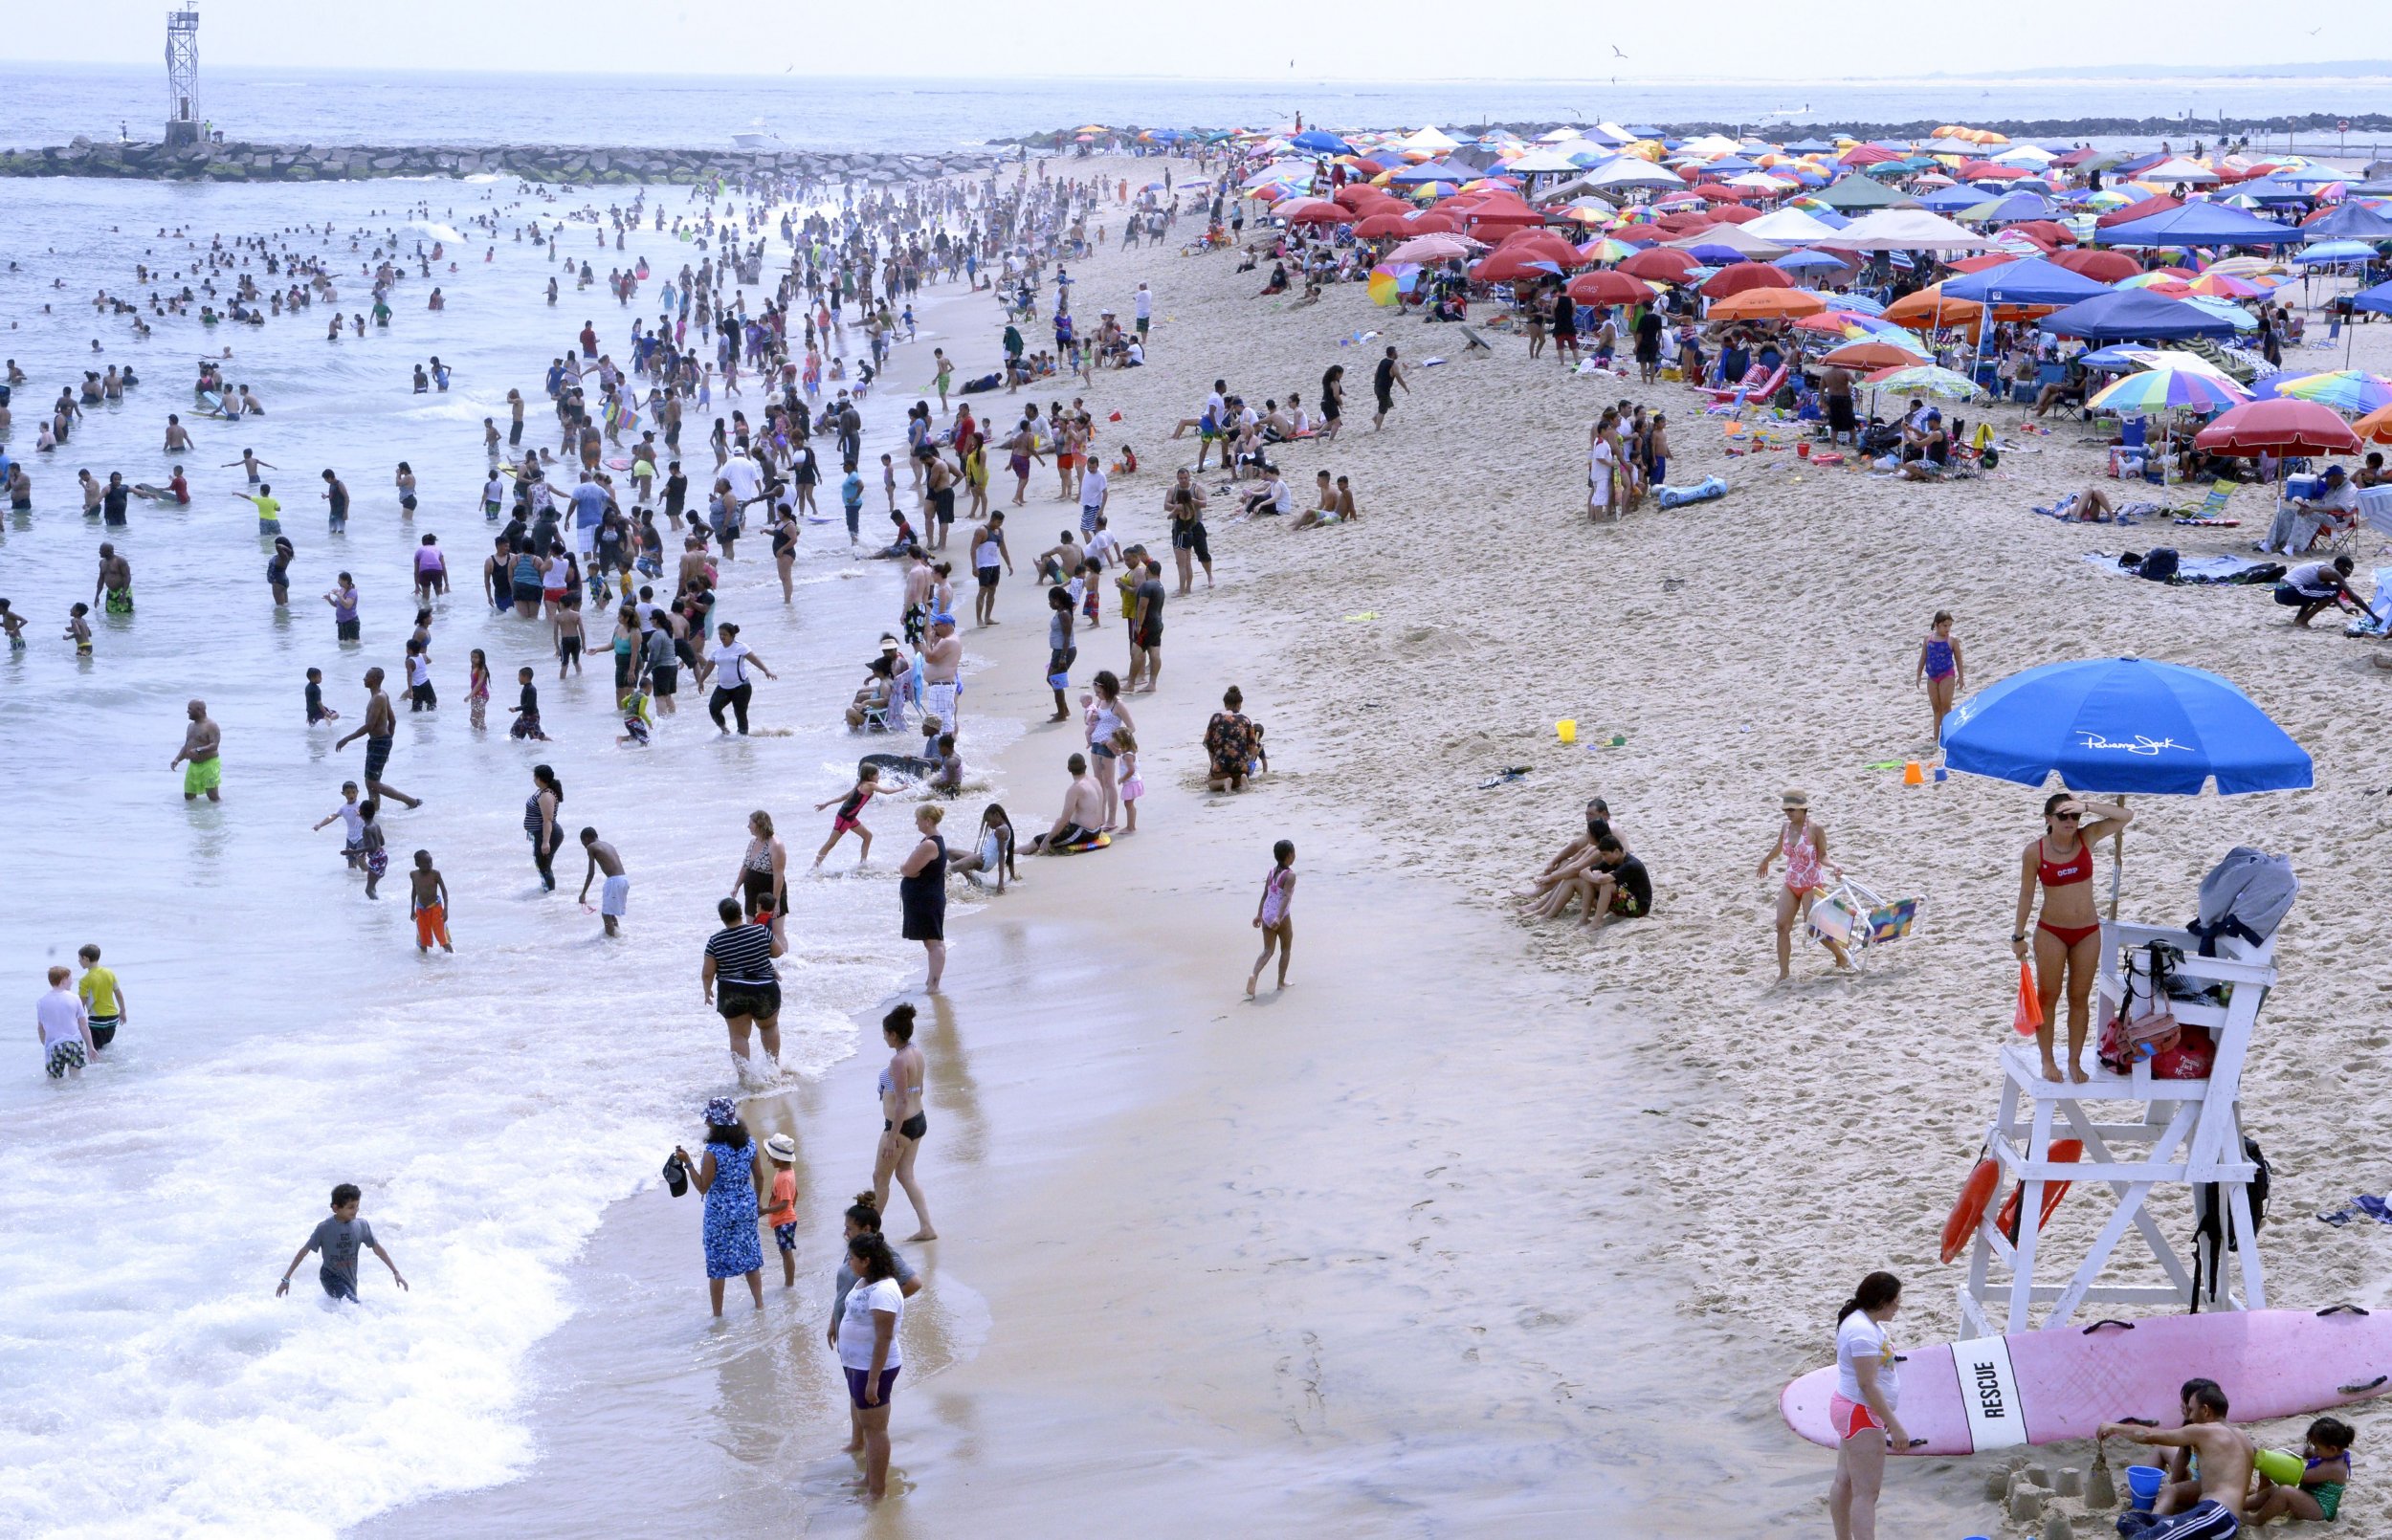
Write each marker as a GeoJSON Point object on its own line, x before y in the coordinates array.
{"type": "Point", "coordinates": [1082, 815]}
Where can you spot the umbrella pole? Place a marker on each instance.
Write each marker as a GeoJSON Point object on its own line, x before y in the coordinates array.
{"type": "Point", "coordinates": [2118, 865]}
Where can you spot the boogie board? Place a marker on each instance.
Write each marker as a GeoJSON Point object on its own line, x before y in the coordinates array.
{"type": "Point", "coordinates": [620, 462]}
{"type": "Point", "coordinates": [2040, 1387]}
{"type": "Point", "coordinates": [1097, 843]}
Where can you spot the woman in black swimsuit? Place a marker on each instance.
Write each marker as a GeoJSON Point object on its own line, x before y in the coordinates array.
{"type": "Point", "coordinates": [763, 876]}
{"type": "Point", "coordinates": [922, 890]}
{"type": "Point", "coordinates": [1332, 399]}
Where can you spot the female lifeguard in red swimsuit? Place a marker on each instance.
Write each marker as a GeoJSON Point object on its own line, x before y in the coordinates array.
{"type": "Point", "coordinates": [2067, 936]}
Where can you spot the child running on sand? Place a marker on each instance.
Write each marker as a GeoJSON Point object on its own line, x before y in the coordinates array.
{"type": "Point", "coordinates": [339, 1239]}
{"type": "Point", "coordinates": [427, 900]}
{"type": "Point", "coordinates": [850, 816]}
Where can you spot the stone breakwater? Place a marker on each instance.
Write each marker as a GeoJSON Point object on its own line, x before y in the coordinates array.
{"type": "Point", "coordinates": [583, 166]}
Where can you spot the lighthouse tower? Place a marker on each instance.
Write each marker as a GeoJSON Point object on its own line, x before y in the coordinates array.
{"type": "Point", "coordinates": [183, 75]}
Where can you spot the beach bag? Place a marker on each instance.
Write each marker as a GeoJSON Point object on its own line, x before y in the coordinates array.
{"type": "Point", "coordinates": [1703, 491]}
{"type": "Point", "coordinates": [2194, 1056]}
{"type": "Point", "coordinates": [2242, 900]}
{"type": "Point", "coordinates": [2144, 1027]}
{"type": "Point", "coordinates": [2159, 565]}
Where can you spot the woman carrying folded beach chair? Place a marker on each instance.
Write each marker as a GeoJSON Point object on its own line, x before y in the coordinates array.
{"type": "Point", "coordinates": [1804, 845]}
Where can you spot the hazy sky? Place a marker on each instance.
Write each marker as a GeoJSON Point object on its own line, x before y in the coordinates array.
{"type": "Point", "coordinates": [1376, 40]}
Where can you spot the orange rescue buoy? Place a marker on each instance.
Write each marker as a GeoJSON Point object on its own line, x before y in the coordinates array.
{"type": "Point", "coordinates": [2069, 1151]}
{"type": "Point", "coordinates": [1970, 1211]}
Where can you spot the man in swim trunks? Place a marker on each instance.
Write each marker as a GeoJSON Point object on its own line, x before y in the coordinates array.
{"type": "Point", "coordinates": [614, 899]}
{"type": "Point", "coordinates": [201, 771]}
{"type": "Point", "coordinates": [942, 667]}
{"type": "Point", "coordinates": [379, 730]}
{"type": "Point", "coordinates": [1084, 812]}
{"type": "Point", "coordinates": [2225, 1455]}
{"type": "Point", "coordinates": [1382, 382]}
{"type": "Point", "coordinates": [114, 582]}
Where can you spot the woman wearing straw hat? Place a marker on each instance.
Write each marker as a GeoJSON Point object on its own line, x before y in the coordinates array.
{"type": "Point", "coordinates": [728, 1176]}
{"type": "Point", "coordinates": [1802, 841]}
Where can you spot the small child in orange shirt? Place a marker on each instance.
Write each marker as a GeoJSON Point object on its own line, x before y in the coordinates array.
{"type": "Point", "coordinates": [782, 1213]}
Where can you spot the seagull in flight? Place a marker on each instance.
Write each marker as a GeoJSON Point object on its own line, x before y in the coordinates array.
{"type": "Point", "coordinates": [1615, 51]}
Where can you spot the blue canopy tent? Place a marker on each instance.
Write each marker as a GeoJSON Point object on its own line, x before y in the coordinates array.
{"type": "Point", "coordinates": [2201, 224]}
{"type": "Point", "coordinates": [1953, 199]}
{"type": "Point", "coordinates": [2030, 280]}
{"type": "Point", "coordinates": [2120, 315]}
{"type": "Point", "coordinates": [2378, 299]}
{"type": "Point", "coordinates": [2351, 222]}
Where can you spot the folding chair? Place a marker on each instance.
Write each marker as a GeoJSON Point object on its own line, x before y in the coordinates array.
{"type": "Point", "coordinates": [2212, 509]}
{"type": "Point", "coordinates": [1857, 916]}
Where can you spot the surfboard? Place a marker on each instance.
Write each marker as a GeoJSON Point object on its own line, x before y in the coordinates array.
{"type": "Point", "coordinates": [2040, 1387]}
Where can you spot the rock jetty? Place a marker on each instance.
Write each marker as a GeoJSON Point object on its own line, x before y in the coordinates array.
{"type": "Point", "coordinates": [583, 166]}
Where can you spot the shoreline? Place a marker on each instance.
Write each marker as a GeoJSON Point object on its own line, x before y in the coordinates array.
{"type": "Point", "coordinates": [582, 165]}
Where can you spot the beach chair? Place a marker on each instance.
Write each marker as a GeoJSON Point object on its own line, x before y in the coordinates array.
{"type": "Point", "coordinates": [1856, 915]}
{"type": "Point", "coordinates": [2213, 508]}
{"type": "Point", "coordinates": [1755, 387]}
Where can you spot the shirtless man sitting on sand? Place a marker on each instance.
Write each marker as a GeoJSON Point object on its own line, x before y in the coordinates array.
{"type": "Point", "coordinates": [2210, 1506]}
{"type": "Point", "coordinates": [1567, 876]}
{"type": "Point", "coordinates": [1084, 812]}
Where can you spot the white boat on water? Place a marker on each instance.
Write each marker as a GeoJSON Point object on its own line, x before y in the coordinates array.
{"type": "Point", "coordinates": [755, 137]}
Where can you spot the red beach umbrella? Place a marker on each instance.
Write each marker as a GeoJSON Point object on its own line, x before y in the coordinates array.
{"type": "Point", "coordinates": [1609, 288]}
{"type": "Point", "coordinates": [2102, 267]}
{"type": "Point", "coordinates": [1379, 227]}
{"type": "Point", "coordinates": [1743, 275]}
{"type": "Point", "coordinates": [2280, 424]}
{"type": "Point", "coordinates": [1662, 264]}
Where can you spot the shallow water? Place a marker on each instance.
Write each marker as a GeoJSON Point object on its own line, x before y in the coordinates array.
{"type": "Point", "coordinates": [283, 1033]}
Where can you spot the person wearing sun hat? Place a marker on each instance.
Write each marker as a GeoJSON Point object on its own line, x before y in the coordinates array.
{"type": "Point", "coordinates": [728, 1177]}
{"type": "Point", "coordinates": [1802, 841]}
{"type": "Point", "coordinates": [782, 1210]}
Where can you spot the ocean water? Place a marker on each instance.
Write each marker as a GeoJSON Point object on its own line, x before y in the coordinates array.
{"type": "Point", "coordinates": [50, 103]}
{"type": "Point", "coordinates": [284, 1035]}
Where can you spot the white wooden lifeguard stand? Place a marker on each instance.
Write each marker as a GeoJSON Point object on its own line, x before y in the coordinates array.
{"type": "Point", "coordinates": [2190, 1131]}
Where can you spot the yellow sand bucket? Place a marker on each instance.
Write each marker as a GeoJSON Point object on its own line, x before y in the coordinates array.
{"type": "Point", "coordinates": [1567, 729]}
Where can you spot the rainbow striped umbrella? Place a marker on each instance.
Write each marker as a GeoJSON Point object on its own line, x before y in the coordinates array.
{"type": "Point", "coordinates": [2350, 390]}
{"type": "Point", "coordinates": [1924, 379]}
{"type": "Point", "coordinates": [2158, 389]}
{"type": "Point", "coordinates": [1390, 281]}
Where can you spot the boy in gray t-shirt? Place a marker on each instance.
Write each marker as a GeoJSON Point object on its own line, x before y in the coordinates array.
{"type": "Point", "coordinates": [339, 1239]}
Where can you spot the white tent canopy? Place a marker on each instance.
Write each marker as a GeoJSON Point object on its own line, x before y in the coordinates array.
{"type": "Point", "coordinates": [1536, 160]}
{"type": "Point", "coordinates": [1629, 171]}
{"type": "Point", "coordinates": [1795, 225]}
{"type": "Point", "coordinates": [1902, 229]}
{"type": "Point", "coordinates": [2178, 169]}
{"type": "Point", "coordinates": [1431, 138]}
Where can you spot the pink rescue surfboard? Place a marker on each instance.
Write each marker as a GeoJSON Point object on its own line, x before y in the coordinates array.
{"type": "Point", "coordinates": [2039, 1387]}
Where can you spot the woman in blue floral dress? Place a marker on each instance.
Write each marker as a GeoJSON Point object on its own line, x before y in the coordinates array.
{"type": "Point", "coordinates": [728, 1177]}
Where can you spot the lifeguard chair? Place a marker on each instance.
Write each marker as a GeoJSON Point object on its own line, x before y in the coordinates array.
{"type": "Point", "coordinates": [2188, 1132]}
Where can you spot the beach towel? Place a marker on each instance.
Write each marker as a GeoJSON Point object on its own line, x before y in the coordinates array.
{"type": "Point", "coordinates": [2242, 900]}
{"type": "Point", "coordinates": [2190, 571]}
{"type": "Point", "coordinates": [2378, 621]}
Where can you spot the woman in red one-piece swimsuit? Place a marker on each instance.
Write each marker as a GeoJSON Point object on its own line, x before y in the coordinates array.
{"type": "Point", "coordinates": [2067, 936]}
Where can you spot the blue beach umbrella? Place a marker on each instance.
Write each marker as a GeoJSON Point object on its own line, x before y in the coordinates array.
{"type": "Point", "coordinates": [2120, 725]}
{"type": "Point", "coordinates": [1320, 139]}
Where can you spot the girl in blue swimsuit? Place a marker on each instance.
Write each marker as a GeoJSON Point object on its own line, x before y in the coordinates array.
{"type": "Point", "coordinates": [1940, 669]}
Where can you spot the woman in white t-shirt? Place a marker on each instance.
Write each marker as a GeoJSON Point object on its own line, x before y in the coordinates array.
{"type": "Point", "coordinates": [868, 1349]}
{"type": "Point", "coordinates": [1867, 1387]}
{"type": "Point", "coordinates": [730, 662]}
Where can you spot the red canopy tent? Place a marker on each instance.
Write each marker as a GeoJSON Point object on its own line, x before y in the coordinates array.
{"type": "Point", "coordinates": [1866, 155]}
